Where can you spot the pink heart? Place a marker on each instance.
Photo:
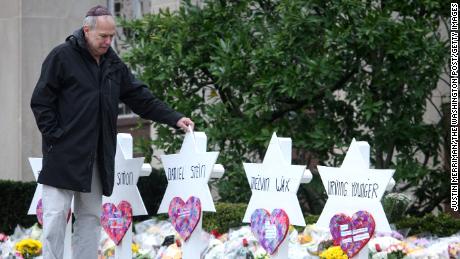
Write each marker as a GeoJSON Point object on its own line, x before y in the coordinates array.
{"type": "Point", "coordinates": [352, 234]}
{"type": "Point", "coordinates": [116, 220]}
{"type": "Point", "coordinates": [185, 215]}
{"type": "Point", "coordinates": [39, 212]}
{"type": "Point", "coordinates": [270, 230]}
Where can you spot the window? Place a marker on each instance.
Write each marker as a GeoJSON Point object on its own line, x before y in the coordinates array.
{"type": "Point", "coordinates": [117, 9]}
{"type": "Point", "coordinates": [124, 111]}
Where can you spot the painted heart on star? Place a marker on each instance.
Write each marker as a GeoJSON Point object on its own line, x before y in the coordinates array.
{"type": "Point", "coordinates": [116, 220]}
{"type": "Point", "coordinates": [270, 230]}
{"type": "Point", "coordinates": [352, 233]}
{"type": "Point", "coordinates": [39, 212]}
{"type": "Point", "coordinates": [185, 215]}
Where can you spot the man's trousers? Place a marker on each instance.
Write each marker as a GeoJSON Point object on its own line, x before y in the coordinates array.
{"type": "Point", "coordinates": [87, 226]}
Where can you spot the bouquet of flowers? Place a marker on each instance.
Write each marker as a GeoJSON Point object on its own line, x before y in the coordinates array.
{"type": "Point", "coordinates": [454, 250]}
{"type": "Point", "coordinates": [396, 251]}
{"type": "Point", "coordinates": [333, 252]}
{"type": "Point", "coordinates": [28, 248]}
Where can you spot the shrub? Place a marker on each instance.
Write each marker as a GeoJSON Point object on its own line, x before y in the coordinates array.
{"type": "Point", "coordinates": [152, 188]}
{"type": "Point", "coordinates": [441, 225]}
{"type": "Point", "coordinates": [227, 216]}
{"type": "Point", "coordinates": [17, 196]}
{"type": "Point", "coordinates": [14, 204]}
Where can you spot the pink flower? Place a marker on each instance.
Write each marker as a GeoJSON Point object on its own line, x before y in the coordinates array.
{"type": "Point", "coordinates": [3, 237]}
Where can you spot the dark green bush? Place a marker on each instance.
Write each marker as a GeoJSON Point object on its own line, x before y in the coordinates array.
{"type": "Point", "coordinates": [395, 206]}
{"type": "Point", "coordinates": [441, 225]}
{"type": "Point", "coordinates": [14, 204]}
{"type": "Point", "coordinates": [152, 189]}
{"type": "Point", "coordinates": [311, 219]}
{"type": "Point", "coordinates": [227, 216]}
{"type": "Point", "coordinates": [17, 196]}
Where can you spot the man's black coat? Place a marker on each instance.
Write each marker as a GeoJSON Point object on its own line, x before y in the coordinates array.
{"type": "Point", "coordinates": [75, 104]}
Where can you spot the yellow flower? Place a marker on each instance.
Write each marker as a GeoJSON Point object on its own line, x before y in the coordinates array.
{"type": "Point", "coordinates": [333, 252]}
{"type": "Point", "coordinates": [109, 251]}
{"type": "Point", "coordinates": [135, 248]}
{"type": "Point", "coordinates": [303, 239]}
{"type": "Point", "coordinates": [28, 247]}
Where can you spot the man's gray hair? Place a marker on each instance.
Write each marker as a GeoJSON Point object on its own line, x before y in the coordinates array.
{"type": "Point", "coordinates": [93, 13]}
{"type": "Point", "coordinates": [90, 21]}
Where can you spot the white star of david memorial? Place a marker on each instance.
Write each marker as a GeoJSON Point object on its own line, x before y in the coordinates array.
{"type": "Point", "coordinates": [274, 182]}
{"type": "Point", "coordinates": [188, 173]}
{"type": "Point", "coordinates": [127, 172]}
{"type": "Point", "coordinates": [354, 187]}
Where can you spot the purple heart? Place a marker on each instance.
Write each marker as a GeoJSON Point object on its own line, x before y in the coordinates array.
{"type": "Point", "coordinates": [270, 230]}
{"type": "Point", "coordinates": [185, 215]}
{"type": "Point", "coordinates": [352, 233]}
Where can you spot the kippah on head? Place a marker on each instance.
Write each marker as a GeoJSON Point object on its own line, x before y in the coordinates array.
{"type": "Point", "coordinates": [98, 10]}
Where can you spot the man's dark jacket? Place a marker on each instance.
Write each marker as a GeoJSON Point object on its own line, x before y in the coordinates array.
{"type": "Point", "coordinates": [75, 104]}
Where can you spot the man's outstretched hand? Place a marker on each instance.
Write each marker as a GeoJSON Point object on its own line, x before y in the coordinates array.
{"type": "Point", "coordinates": [184, 123]}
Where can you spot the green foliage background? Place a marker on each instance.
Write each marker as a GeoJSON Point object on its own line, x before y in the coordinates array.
{"type": "Point", "coordinates": [320, 72]}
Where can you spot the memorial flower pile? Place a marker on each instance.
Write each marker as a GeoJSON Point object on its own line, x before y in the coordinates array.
{"type": "Point", "coordinates": [155, 239]}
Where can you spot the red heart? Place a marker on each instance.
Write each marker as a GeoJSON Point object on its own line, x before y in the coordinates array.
{"type": "Point", "coordinates": [116, 220]}
{"type": "Point", "coordinates": [39, 212]}
{"type": "Point", "coordinates": [352, 234]}
{"type": "Point", "coordinates": [185, 215]}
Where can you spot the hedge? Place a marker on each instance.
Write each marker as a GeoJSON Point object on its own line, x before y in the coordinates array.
{"type": "Point", "coordinates": [441, 225]}
{"type": "Point", "coordinates": [17, 196]}
{"type": "Point", "coordinates": [15, 199]}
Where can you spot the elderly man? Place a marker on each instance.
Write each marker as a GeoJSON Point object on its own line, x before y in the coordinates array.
{"type": "Point", "coordinates": [75, 104]}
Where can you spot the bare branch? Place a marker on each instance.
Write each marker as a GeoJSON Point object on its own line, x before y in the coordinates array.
{"type": "Point", "coordinates": [436, 108]}
{"type": "Point", "coordinates": [389, 155]}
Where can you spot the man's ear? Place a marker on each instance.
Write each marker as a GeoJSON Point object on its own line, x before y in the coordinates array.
{"type": "Point", "coordinates": [86, 29]}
